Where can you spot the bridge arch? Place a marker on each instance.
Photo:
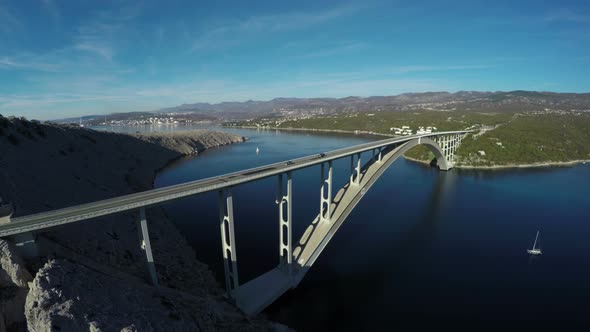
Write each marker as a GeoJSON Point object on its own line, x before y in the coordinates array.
{"type": "Point", "coordinates": [442, 162]}
{"type": "Point", "coordinates": [318, 234]}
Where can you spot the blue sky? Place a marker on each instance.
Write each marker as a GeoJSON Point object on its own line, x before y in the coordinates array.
{"type": "Point", "coordinates": [70, 58]}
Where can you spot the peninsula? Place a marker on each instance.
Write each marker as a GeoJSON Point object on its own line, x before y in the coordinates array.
{"type": "Point", "coordinates": [509, 129]}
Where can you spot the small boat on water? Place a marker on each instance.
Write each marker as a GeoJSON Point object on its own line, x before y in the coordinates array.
{"type": "Point", "coordinates": [257, 150]}
{"type": "Point", "coordinates": [535, 250]}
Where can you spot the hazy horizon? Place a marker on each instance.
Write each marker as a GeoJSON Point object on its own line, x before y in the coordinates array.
{"type": "Point", "coordinates": [268, 100]}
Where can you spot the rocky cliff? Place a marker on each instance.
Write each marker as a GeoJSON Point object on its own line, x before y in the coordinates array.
{"type": "Point", "coordinates": [98, 263]}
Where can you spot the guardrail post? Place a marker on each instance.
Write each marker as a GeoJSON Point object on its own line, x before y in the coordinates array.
{"type": "Point", "coordinates": [326, 194]}
{"type": "Point", "coordinates": [146, 246]}
{"type": "Point", "coordinates": [285, 222]}
{"type": "Point", "coordinates": [228, 242]}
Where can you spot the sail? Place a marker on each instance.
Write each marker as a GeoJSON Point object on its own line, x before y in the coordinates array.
{"type": "Point", "coordinates": [535, 250]}
{"type": "Point", "coordinates": [536, 238]}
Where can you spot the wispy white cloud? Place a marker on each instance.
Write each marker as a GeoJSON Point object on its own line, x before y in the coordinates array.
{"type": "Point", "coordinates": [104, 97]}
{"type": "Point", "coordinates": [427, 68]}
{"type": "Point", "coordinates": [98, 47]}
{"type": "Point", "coordinates": [330, 50]}
{"type": "Point", "coordinates": [294, 20]}
{"type": "Point", "coordinates": [27, 62]}
{"type": "Point", "coordinates": [232, 33]}
{"type": "Point", "coordinates": [47, 100]}
{"type": "Point", "coordinates": [567, 15]}
{"type": "Point", "coordinates": [101, 34]}
{"type": "Point", "coordinates": [92, 45]}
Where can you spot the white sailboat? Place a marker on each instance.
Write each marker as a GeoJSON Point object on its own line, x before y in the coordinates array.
{"type": "Point", "coordinates": [535, 250]}
{"type": "Point", "coordinates": [257, 150]}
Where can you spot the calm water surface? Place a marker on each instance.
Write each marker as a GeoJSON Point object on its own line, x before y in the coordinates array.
{"type": "Point", "coordinates": [423, 247]}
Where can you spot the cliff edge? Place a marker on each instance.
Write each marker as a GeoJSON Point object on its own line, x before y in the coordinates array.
{"type": "Point", "coordinates": [46, 166]}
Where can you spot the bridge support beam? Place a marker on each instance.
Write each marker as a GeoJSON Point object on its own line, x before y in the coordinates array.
{"type": "Point", "coordinates": [145, 245]}
{"type": "Point", "coordinates": [377, 155]}
{"type": "Point", "coordinates": [228, 242]}
{"type": "Point", "coordinates": [285, 229]}
{"type": "Point", "coordinates": [448, 146]}
{"type": "Point", "coordinates": [355, 169]}
{"type": "Point", "coordinates": [326, 193]}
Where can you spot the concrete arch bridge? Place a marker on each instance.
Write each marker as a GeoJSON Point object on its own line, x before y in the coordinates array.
{"type": "Point", "coordinates": [295, 258]}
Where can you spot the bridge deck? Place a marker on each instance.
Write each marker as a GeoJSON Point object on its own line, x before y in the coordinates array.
{"type": "Point", "coordinates": [255, 295]}
{"type": "Point", "coordinates": [135, 201]}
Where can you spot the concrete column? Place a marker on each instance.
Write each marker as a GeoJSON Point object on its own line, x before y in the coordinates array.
{"type": "Point", "coordinates": [326, 194]}
{"type": "Point", "coordinates": [285, 223]}
{"type": "Point", "coordinates": [451, 147]}
{"type": "Point", "coordinates": [228, 243]}
{"type": "Point", "coordinates": [355, 169]}
{"type": "Point", "coordinates": [358, 169]}
{"type": "Point", "coordinates": [457, 142]}
{"type": "Point", "coordinates": [145, 244]}
{"type": "Point", "coordinates": [351, 168]}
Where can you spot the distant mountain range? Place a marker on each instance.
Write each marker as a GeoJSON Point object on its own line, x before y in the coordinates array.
{"type": "Point", "coordinates": [470, 100]}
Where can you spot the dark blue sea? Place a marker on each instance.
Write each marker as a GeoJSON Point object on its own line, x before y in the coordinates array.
{"type": "Point", "coordinates": [423, 248]}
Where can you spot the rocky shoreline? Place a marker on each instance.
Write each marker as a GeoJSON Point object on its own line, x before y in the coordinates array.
{"type": "Point", "coordinates": [91, 275]}
{"type": "Point", "coordinates": [474, 167]}
{"type": "Point", "coordinates": [509, 166]}
{"type": "Point", "coordinates": [358, 132]}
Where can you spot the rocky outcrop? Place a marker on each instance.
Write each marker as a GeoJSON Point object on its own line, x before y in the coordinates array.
{"type": "Point", "coordinates": [12, 267]}
{"type": "Point", "coordinates": [14, 279]}
{"type": "Point", "coordinates": [190, 142]}
{"type": "Point", "coordinates": [68, 297]}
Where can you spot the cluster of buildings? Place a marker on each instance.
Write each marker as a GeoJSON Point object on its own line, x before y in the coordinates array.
{"type": "Point", "coordinates": [143, 122]}
{"type": "Point", "coordinates": [406, 131]}
{"type": "Point", "coordinates": [272, 122]}
{"type": "Point", "coordinates": [427, 130]}
{"type": "Point", "coordinates": [157, 120]}
{"type": "Point", "coordinates": [560, 112]}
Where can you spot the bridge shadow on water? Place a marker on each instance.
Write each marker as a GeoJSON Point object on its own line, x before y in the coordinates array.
{"type": "Point", "coordinates": [364, 294]}
{"type": "Point", "coordinates": [423, 249]}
